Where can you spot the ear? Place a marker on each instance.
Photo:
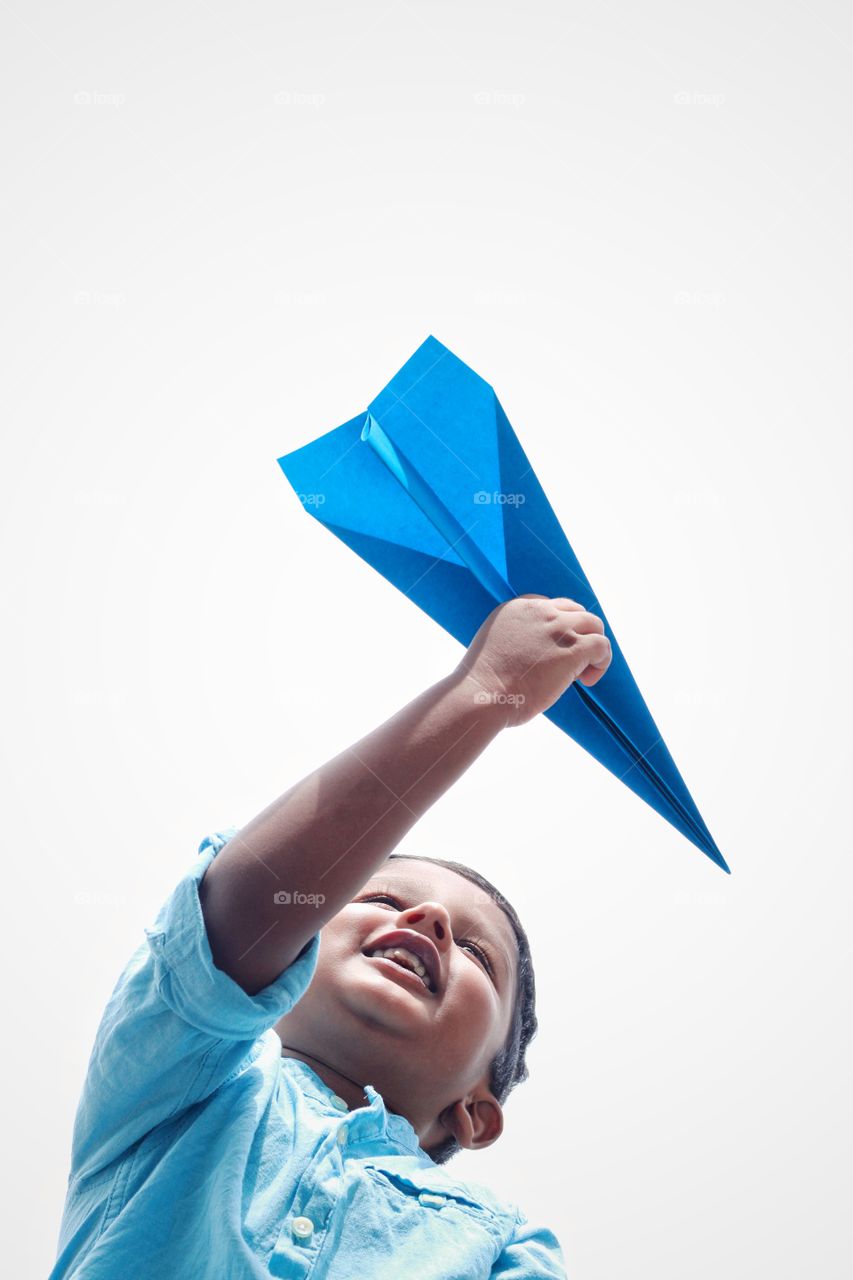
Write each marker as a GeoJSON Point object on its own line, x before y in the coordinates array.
{"type": "Point", "coordinates": [475, 1121]}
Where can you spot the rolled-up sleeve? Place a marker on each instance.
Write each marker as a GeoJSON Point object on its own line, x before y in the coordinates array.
{"type": "Point", "coordinates": [534, 1253]}
{"type": "Point", "coordinates": [175, 1027]}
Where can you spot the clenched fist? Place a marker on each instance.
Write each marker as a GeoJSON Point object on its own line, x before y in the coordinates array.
{"type": "Point", "coordinates": [529, 650]}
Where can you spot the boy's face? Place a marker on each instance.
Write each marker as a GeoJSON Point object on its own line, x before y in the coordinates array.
{"type": "Point", "coordinates": [426, 1051]}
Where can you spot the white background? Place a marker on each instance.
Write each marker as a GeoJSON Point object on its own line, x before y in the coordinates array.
{"type": "Point", "coordinates": [224, 228]}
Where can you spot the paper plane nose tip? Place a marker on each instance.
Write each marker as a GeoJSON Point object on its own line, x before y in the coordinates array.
{"type": "Point", "coordinates": [715, 856]}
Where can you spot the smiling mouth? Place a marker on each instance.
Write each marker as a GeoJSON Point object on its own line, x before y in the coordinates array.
{"type": "Point", "coordinates": [403, 970]}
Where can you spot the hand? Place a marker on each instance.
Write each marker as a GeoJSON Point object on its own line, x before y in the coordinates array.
{"type": "Point", "coordinates": [529, 650]}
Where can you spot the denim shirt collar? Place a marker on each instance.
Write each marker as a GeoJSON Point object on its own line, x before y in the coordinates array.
{"type": "Point", "coordinates": [370, 1122]}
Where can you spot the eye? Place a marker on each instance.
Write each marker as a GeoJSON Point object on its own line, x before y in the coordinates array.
{"type": "Point", "coordinates": [378, 897]}
{"type": "Point", "coordinates": [481, 955]}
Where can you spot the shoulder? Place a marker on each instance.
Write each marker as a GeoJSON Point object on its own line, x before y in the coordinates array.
{"type": "Point", "coordinates": [434, 1185]}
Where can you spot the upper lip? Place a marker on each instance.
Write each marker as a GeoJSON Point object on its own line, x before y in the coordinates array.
{"type": "Point", "coordinates": [419, 945]}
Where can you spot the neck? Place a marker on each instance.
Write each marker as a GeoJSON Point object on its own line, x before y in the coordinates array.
{"type": "Point", "coordinates": [343, 1085]}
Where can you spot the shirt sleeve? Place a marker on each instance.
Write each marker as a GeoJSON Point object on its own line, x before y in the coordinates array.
{"type": "Point", "coordinates": [175, 1027]}
{"type": "Point", "coordinates": [533, 1253]}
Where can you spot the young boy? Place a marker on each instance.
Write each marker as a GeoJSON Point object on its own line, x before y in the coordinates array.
{"type": "Point", "coordinates": [266, 1099]}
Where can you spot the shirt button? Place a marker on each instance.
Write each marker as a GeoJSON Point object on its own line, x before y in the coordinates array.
{"type": "Point", "coordinates": [303, 1228]}
{"type": "Point", "coordinates": [339, 1103]}
{"type": "Point", "coordinates": [431, 1199]}
{"type": "Point", "coordinates": [343, 1134]}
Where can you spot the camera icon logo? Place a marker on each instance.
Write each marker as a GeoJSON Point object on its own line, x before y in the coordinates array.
{"type": "Point", "coordinates": [282, 898]}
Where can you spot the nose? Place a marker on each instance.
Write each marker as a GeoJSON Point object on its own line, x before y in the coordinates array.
{"type": "Point", "coordinates": [434, 919]}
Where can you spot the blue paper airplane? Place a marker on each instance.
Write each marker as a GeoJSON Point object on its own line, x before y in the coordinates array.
{"type": "Point", "coordinates": [432, 488]}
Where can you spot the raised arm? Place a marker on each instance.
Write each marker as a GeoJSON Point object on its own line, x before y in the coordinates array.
{"type": "Point", "coordinates": [323, 839]}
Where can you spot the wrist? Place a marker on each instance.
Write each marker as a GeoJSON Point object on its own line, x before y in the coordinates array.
{"type": "Point", "coordinates": [487, 697]}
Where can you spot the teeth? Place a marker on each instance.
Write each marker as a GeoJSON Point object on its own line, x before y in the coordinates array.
{"type": "Point", "coordinates": [406, 958]}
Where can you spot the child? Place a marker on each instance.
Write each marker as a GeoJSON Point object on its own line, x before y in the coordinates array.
{"type": "Point", "coordinates": [263, 1099]}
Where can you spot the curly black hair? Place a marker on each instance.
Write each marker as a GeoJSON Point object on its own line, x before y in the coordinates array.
{"type": "Point", "coordinates": [508, 1067]}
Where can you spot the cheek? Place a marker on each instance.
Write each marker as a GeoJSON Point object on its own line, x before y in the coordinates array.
{"type": "Point", "coordinates": [471, 1003]}
{"type": "Point", "coordinates": [339, 945]}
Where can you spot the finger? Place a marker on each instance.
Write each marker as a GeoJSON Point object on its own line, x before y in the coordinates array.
{"type": "Point", "coordinates": [597, 652]}
{"type": "Point", "coordinates": [572, 628]}
{"type": "Point", "coordinates": [585, 624]}
{"type": "Point", "coordinates": [563, 602]}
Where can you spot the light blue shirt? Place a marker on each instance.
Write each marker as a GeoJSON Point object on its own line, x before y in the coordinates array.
{"type": "Point", "coordinates": [200, 1152]}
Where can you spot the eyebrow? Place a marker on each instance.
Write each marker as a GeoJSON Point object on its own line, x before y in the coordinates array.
{"type": "Point", "coordinates": [392, 880]}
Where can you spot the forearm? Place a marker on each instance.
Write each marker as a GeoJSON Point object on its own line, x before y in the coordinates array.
{"type": "Point", "coordinates": [326, 836]}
